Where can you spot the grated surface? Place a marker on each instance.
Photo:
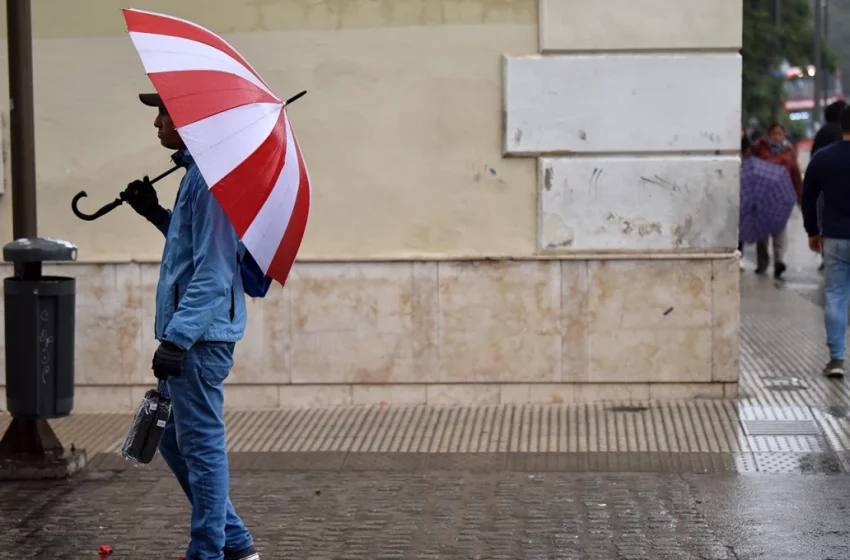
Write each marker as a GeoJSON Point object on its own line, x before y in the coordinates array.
{"type": "Point", "coordinates": [780, 428]}
{"type": "Point", "coordinates": [680, 427]}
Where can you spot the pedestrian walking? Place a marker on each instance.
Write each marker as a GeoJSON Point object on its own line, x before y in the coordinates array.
{"type": "Point", "coordinates": [775, 148]}
{"type": "Point", "coordinates": [236, 226]}
{"type": "Point", "coordinates": [200, 315]}
{"type": "Point", "coordinates": [767, 198]}
{"type": "Point", "coordinates": [828, 173]}
{"type": "Point", "coordinates": [828, 134]}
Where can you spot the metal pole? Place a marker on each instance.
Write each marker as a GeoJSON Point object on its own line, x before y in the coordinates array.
{"type": "Point", "coordinates": [826, 20]}
{"type": "Point", "coordinates": [825, 28]}
{"type": "Point", "coordinates": [22, 126]}
{"type": "Point", "coordinates": [817, 114]}
{"type": "Point", "coordinates": [777, 101]}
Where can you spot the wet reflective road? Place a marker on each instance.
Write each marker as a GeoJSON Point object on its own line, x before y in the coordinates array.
{"type": "Point", "coordinates": [373, 515]}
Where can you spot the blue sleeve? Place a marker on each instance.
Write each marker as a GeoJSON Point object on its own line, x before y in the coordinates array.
{"type": "Point", "coordinates": [811, 190]}
{"type": "Point", "coordinates": [214, 247]}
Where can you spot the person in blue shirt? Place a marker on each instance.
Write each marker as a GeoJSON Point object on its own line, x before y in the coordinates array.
{"type": "Point", "coordinates": [200, 315]}
{"type": "Point", "coordinates": [828, 174]}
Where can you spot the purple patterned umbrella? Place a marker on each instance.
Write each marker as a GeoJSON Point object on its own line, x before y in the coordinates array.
{"type": "Point", "coordinates": [767, 199]}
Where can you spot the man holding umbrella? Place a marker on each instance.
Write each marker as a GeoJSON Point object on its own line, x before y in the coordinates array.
{"type": "Point", "coordinates": [236, 226]}
{"type": "Point", "coordinates": [200, 315]}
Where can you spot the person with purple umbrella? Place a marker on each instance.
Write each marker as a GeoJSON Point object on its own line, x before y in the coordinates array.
{"type": "Point", "coordinates": [767, 199]}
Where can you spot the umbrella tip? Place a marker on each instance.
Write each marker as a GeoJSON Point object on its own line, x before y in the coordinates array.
{"type": "Point", "coordinates": [295, 97]}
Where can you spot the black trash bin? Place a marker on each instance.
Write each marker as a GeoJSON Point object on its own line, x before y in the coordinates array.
{"type": "Point", "coordinates": [39, 320]}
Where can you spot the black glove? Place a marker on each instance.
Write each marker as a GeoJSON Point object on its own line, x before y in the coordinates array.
{"type": "Point", "coordinates": [141, 196]}
{"type": "Point", "coordinates": [168, 360]}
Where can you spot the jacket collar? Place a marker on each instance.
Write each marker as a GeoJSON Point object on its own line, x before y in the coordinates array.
{"type": "Point", "coordinates": [182, 158]}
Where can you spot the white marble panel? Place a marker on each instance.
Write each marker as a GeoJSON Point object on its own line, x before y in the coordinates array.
{"type": "Point", "coordinates": [639, 203]}
{"type": "Point", "coordinates": [622, 103]}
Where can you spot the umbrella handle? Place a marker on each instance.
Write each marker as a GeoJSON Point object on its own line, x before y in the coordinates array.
{"type": "Point", "coordinates": [112, 205]}
{"type": "Point", "coordinates": [91, 217]}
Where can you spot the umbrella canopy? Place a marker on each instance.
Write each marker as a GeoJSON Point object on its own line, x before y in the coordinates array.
{"type": "Point", "coordinates": [236, 129]}
{"type": "Point", "coordinates": [767, 199]}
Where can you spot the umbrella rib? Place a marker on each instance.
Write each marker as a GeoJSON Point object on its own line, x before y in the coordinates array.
{"type": "Point", "coordinates": [288, 187]}
{"type": "Point", "coordinates": [202, 92]}
{"type": "Point", "coordinates": [244, 192]}
{"type": "Point", "coordinates": [220, 111]}
{"type": "Point", "coordinates": [261, 84]}
{"type": "Point", "coordinates": [208, 91]}
{"type": "Point", "coordinates": [237, 131]}
{"type": "Point", "coordinates": [279, 204]}
{"type": "Point", "coordinates": [243, 60]}
{"type": "Point", "coordinates": [289, 133]}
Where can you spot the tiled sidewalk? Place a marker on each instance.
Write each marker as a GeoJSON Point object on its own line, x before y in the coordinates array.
{"type": "Point", "coordinates": [441, 516]}
{"type": "Point", "coordinates": [788, 419]}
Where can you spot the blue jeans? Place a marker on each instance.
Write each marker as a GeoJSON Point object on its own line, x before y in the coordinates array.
{"type": "Point", "coordinates": [836, 260]}
{"type": "Point", "coordinates": [193, 445]}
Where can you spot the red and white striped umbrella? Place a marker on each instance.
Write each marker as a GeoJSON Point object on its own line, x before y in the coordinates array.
{"type": "Point", "coordinates": [235, 128]}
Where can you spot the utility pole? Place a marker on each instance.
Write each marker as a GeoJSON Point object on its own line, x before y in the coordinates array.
{"type": "Point", "coordinates": [21, 122]}
{"type": "Point", "coordinates": [825, 28]}
{"type": "Point", "coordinates": [777, 97]}
{"type": "Point", "coordinates": [817, 114]}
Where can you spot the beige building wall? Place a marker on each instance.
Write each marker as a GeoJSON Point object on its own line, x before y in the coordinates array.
{"type": "Point", "coordinates": [400, 126]}
{"type": "Point", "coordinates": [506, 208]}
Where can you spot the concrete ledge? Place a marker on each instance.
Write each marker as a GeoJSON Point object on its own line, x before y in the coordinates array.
{"type": "Point", "coordinates": [99, 399]}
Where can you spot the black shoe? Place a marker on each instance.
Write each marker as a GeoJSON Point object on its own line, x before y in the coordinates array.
{"type": "Point", "coordinates": [834, 369]}
{"type": "Point", "coordinates": [778, 270]}
{"type": "Point", "coordinates": [249, 553]}
{"type": "Point", "coordinates": [761, 270]}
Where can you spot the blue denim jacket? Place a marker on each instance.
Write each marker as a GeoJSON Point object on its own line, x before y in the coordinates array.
{"type": "Point", "coordinates": [199, 296]}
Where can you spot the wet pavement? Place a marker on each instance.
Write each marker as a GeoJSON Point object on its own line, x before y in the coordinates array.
{"type": "Point", "coordinates": [761, 477]}
{"type": "Point", "coordinates": [445, 515]}
{"type": "Point", "coordinates": [803, 276]}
